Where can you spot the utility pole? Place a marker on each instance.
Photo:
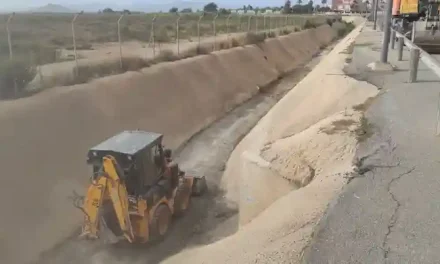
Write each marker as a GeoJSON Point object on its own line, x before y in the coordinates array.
{"type": "Point", "coordinates": [375, 3]}
{"type": "Point", "coordinates": [386, 32]}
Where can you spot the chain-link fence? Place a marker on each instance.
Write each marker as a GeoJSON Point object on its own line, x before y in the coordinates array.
{"type": "Point", "coordinates": [38, 39]}
{"type": "Point", "coordinates": [46, 38]}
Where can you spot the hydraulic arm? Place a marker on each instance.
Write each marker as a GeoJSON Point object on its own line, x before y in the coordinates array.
{"type": "Point", "coordinates": [107, 185]}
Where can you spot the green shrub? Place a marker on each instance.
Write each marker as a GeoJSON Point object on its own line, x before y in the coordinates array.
{"type": "Point", "coordinates": [165, 55]}
{"type": "Point", "coordinates": [329, 21]}
{"type": "Point", "coordinates": [235, 43]}
{"type": "Point", "coordinates": [87, 72]}
{"type": "Point", "coordinates": [271, 34]}
{"type": "Point", "coordinates": [347, 28]}
{"type": "Point", "coordinates": [198, 50]}
{"type": "Point", "coordinates": [254, 38]}
{"type": "Point", "coordinates": [309, 24]}
{"type": "Point", "coordinates": [285, 31]}
{"type": "Point", "coordinates": [224, 45]}
{"type": "Point", "coordinates": [14, 76]}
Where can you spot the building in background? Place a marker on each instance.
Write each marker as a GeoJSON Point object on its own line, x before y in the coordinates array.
{"type": "Point", "coordinates": [347, 5]}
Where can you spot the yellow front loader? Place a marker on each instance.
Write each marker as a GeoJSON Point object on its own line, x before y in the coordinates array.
{"type": "Point", "coordinates": [136, 188]}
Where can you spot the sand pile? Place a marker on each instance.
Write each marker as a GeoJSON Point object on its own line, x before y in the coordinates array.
{"type": "Point", "coordinates": [324, 92]}
{"type": "Point", "coordinates": [281, 232]}
{"type": "Point", "coordinates": [302, 156]}
{"type": "Point", "coordinates": [308, 139]}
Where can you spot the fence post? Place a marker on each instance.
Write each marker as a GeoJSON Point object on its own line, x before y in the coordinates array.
{"type": "Point", "coordinates": [153, 36]}
{"type": "Point", "coordinates": [177, 34]}
{"type": "Point", "coordinates": [270, 25]}
{"type": "Point", "coordinates": [120, 40]}
{"type": "Point", "coordinates": [215, 31]}
{"type": "Point", "coordinates": [239, 23]}
{"type": "Point", "coordinates": [286, 22]}
{"type": "Point", "coordinates": [10, 49]}
{"type": "Point", "coordinates": [227, 24]}
{"type": "Point", "coordinates": [413, 64]}
{"type": "Point", "coordinates": [376, 3]}
{"type": "Point", "coordinates": [9, 35]}
{"type": "Point", "coordinates": [400, 48]}
{"type": "Point", "coordinates": [264, 24]}
{"type": "Point", "coordinates": [393, 38]}
{"type": "Point", "coordinates": [74, 43]}
{"type": "Point", "coordinates": [198, 27]}
{"type": "Point", "coordinates": [438, 117]}
{"type": "Point", "coordinates": [256, 24]}
{"type": "Point", "coordinates": [413, 31]}
{"type": "Point", "coordinates": [249, 23]}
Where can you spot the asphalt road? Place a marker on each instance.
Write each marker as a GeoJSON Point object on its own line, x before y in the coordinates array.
{"type": "Point", "coordinates": [390, 213]}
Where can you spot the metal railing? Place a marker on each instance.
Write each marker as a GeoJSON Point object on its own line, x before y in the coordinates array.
{"type": "Point", "coordinates": [416, 54]}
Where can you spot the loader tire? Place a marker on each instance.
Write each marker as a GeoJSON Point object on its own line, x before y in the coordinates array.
{"type": "Point", "coordinates": [160, 223]}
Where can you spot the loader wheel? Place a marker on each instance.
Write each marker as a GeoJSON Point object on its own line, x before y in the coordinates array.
{"type": "Point", "coordinates": [160, 223]}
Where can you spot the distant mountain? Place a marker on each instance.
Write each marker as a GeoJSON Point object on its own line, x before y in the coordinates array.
{"type": "Point", "coordinates": [52, 8]}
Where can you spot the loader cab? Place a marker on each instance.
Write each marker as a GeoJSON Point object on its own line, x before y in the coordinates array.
{"type": "Point", "coordinates": [140, 155]}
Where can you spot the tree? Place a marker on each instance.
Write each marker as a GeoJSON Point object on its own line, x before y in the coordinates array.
{"type": "Point", "coordinates": [126, 12]}
{"type": "Point", "coordinates": [211, 7]}
{"type": "Point", "coordinates": [299, 2]}
{"type": "Point", "coordinates": [324, 2]}
{"type": "Point", "coordinates": [186, 10]}
{"type": "Point", "coordinates": [287, 9]}
{"type": "Point", "coordinates": [354, 6]}
{"type": "Point", "coordinates": [108, 10]}
{"type": "Point", "coordinates": [224, 11]}
{"type": "Point", "coordinates": [249, 7]}
{"type": "Point", "coordinates": [174, 10]}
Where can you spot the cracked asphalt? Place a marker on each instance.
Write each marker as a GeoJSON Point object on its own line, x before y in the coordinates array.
{"type": "Point", "coordinates": [390, 210]}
